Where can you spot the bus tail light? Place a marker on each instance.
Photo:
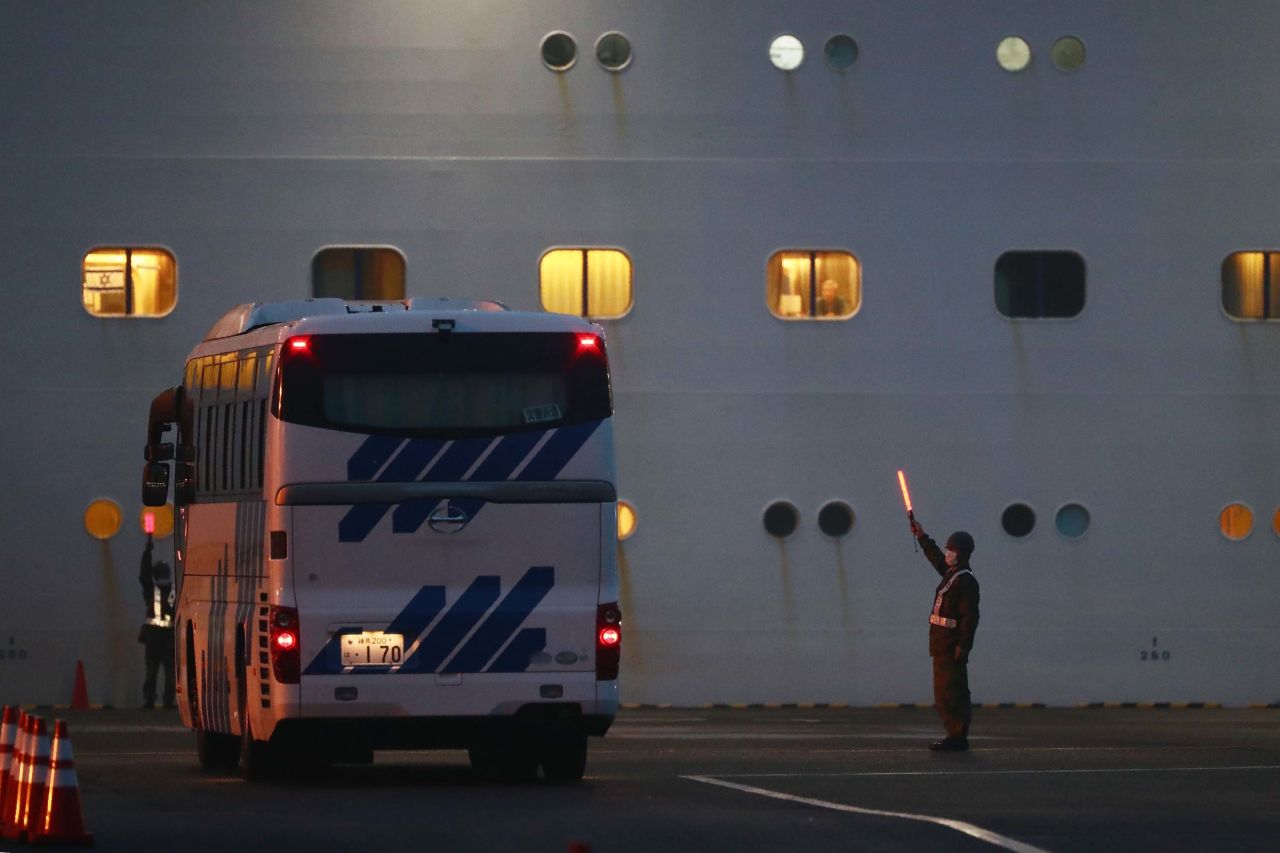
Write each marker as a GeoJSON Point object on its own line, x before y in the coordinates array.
{"type": "Point", "coordinates": [285, 642]}
{"type": "Point", "coordinates": [608, 641]}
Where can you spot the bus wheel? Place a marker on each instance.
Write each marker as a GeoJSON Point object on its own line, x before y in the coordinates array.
{"type": "Point", "coordinates": [216, 752]}
{"type": "Point", "coordinates": [256, 760]}
{"type": "Point", "coordinates": [564, 756]}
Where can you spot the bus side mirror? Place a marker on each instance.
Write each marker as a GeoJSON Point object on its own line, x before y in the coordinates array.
{"type": "Point", "coordinates": [155, 484]}
{"type": "Point", "coordinates": [184, 483]}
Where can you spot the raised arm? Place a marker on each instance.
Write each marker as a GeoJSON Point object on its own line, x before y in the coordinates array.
{"type": "Point", "coordinates": [932, 552]}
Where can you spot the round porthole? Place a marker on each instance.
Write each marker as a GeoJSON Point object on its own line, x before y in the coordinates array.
{"type": "Point", "coordinates": [1235, 521]}
{"type": "Point", "coordinates": [786, 52]}
{"type": "Point", "coordinates": [1275, 522]}
{"type": "Point", "coordinates": [626, 520]}
{"type": "Point", "coordinates": [781, 518]}
{"type": "Point", "coordinates": [841, 52]}
{"type": "Point", "coordinates": [613, 51]}
{"type": "Point", "coordinates": [1013, 54]}
{"type": "Point", "coordinates": [835, 519]}
{"type": "Point", "coordinates": [1072, 521]}
{"type": "Point", "coordinates": [1067, 54]}
{"type": "Point", "coordinates": [559, 51]}
{"type": "Point", "coordinates": [102, 518]}
{"type": "Point", "coordinates": [1018, 520]}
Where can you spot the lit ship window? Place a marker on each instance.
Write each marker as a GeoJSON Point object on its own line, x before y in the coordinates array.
{"type": "Point", "coordinates": [786, 52]}
{"type": "Point", "coordinates": [813, 285]}
{"type": "Point", "coordinates": [626, 520]}
{"type": "Point", "coordinates": [358, 273]}
{"type": "Point", "coordinates": [1235, 521]}
{"type": "Point", "coordinates": [128, 282]}
{"type": "Point", "coordinates": [1040, 284]}
{"type": "Point", "coordinates": [1013, 54]}
{"type": "Point", "coordinates": [592, 283]}
{"type": "Point", "coordinates": [1251, 285]}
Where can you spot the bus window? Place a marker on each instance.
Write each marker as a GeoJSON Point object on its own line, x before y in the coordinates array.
{"type": "Point", "coordinates": [444, 386]}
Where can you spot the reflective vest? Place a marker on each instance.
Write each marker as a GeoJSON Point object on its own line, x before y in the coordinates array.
{"type": "Point", "coordinates": [158, 617]}
{"type": "Point", "coordinates": [935, 618]}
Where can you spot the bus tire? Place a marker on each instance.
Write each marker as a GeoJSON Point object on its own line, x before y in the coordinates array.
{"type": "Point", "coordinates": [215, 752]}
{"type": "Point", "coordinates": [257, 764]}
{"type": "Point", "coordinates": [564, 757]}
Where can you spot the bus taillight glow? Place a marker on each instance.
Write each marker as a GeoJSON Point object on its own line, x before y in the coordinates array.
{"type": "Point", "coordinates": [299, 344]}
{"type": "Point", "coordinates": [588, 342]}
{"type": "Point", "coordinates": [286, 640]}
{"type": "Point", "coordinates": [609, 637]}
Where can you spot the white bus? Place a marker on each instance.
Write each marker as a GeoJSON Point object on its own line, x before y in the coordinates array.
{"type": "Point", "coordinates": [396, 528]}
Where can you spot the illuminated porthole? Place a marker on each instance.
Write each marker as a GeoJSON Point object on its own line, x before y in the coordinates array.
{"type": "Point", "coordinates": [128, 282]}
{"type": "Point", "coordinates": [358, 273]}
{"type": "Point", "coordinates": [841, 51]}
{"type": "Point", "coordinates": [781, 518]}
{"type": "Point", "coordinates": [559, 51]}
{"type": "Point", "coordinates": [1235, 521]}
{"type": "Point", "coordinates": [156, 520]}
{"type": "Point", "coordinates": [1275, 522]}
{"type": "Point", "coordinates": [1013, 53]}
{"type": "Point", "coordinates": [613, 51]}
{"type": "Point", "coordinates": [1018, 520]}
{"type": "Point", "coordinates": [102, 518]}
{"type": "Point", "coordinates": [1067, 54]}
{"type": "Point", "coordinates": [1072, 521]}
{"type": "Point", "coordinates": [626, 520]}
{"type": "Point", "coordinates": [593, 283]}
{"type": "Point", "coordinates": [809, 284]}
{"type": "Point", "coordinates": [1251, 285]}
{"type": "Point", "coordinates": [835, 519]}
{"type": "Point", "coordinates": [786, 52]}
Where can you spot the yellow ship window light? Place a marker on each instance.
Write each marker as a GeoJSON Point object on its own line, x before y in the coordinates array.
{"type": "Point", "coordinates": [1235, 521]}
{"type": "Point", "coordinates": [811, 284]}
{"type": "Point", "coordinates": [626, 520]}
{"type": "Point", "coordinates": [595, 283]}
{"type": "Point", "coordinates": [102, 518]}
{"type": "Point", "coordinates": [129, 282]}
{"type": "Point", "coordinates": [358, 272]}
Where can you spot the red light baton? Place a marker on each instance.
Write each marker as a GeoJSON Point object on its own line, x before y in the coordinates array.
{"type": "Point", "coordinates": [906, 498]}
{"type": "Point", "coordinates": [149, 522]}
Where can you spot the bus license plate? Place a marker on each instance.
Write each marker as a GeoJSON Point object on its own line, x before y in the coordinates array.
{"type": "Point", "coordinates": [372, 648]}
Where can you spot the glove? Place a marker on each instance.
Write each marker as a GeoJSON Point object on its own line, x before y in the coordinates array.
{"type": "Point", "coordinates": [916, 530]}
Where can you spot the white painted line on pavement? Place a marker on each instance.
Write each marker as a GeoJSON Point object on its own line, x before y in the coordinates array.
{"type": "Point", "coordinates": [958, 825]}
{"type": "Point", "coordinates": [857, 773]}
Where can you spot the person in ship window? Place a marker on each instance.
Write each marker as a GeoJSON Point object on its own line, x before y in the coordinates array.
{"type": "Point", "coordinates": [830, 303]}
{"type": "Point", "coordinates": [156, 635]}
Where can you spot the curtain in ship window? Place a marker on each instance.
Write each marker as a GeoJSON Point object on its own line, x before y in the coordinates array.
{"type": "Point", "coordinates": [1251, 285]}
{"type": "Point", "coordinates": [607, 276]}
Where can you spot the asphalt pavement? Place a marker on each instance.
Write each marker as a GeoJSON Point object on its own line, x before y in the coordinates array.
{"type": "Point", "coordinates": [727, 779]}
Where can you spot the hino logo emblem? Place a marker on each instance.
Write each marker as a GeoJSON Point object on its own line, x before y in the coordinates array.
{"type": "Point", "coordinates": [444, 519]}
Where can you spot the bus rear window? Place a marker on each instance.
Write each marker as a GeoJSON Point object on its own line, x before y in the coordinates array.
{"type": "Point", "coordinates": [442, 384]}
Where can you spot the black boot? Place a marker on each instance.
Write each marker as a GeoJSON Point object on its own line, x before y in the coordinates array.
{"type": "Point", "coordinates": [958, 743]}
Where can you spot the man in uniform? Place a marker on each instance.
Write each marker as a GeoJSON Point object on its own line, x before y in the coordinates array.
{"type": "Point", "coordinates": [156, 635]}
{"type": "Point", "coordinates": [952, 624]}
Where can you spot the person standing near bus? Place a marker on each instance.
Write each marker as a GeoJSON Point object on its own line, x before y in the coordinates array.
{"type": "Point", "coordinates": [156, 635]}
{"type": "Point", "coordinates": [952, 625]}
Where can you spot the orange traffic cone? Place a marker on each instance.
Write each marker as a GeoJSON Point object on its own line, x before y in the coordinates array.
{"type": "Point", "coordinates": [80, 693]}
{"type": "Point", "coordinates": [8, 736]}
{"type": "Point", "coordinates": [63, 820]}
{"type": "Point", "coordinates": [9, 810]}
{"type": "Point", "coordinates": [35, 791]}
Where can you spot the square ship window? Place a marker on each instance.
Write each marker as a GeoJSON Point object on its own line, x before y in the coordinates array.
{"type": "Point", "coordinates": [807, 284]}
{"type": "Point", "coordinates": [1040, 284]}
{"type": "Point", "coordinates": [1251, 285]}
{"type": "Point", "coordinates": [358, 273]}
{"type": "Point", "coordinates": [592, 283]}
{"type": "Point", "coordinates": [128, 282]}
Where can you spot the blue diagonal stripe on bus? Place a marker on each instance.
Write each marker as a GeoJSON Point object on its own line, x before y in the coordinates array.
{"type": "Point", "coordinates": [454, 625]}
{"type": "Point", "coordinates": [406, 466]}
{"type": "Point", "coordinates": [455, 462]}
{"type": "Point", "coordinates": [516, 657]}
{"type": "Point", "coordinates": [411, 621]}
{"type": "Point", "coordinates": [504, 620]}
{"type": "Point", "coordinates": [556, 453]}
{"type": "Point", "coordinates": [371, 456]}
{"type": "Point", "coordinates": [498, 466]}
